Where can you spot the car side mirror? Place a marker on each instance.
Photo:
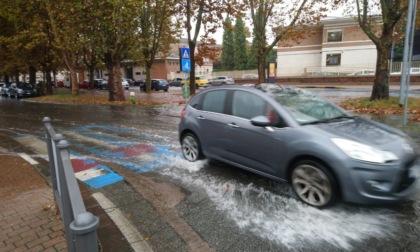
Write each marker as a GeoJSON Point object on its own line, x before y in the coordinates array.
{"type": "Point", "coordinates": [261, 121]}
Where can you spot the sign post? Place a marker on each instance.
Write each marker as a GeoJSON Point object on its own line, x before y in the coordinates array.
{"type": "Point", "coordinates": [185, 66]}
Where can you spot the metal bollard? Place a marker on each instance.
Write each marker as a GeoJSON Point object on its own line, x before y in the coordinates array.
{"type": "Point", "coordinates": [84, 230]}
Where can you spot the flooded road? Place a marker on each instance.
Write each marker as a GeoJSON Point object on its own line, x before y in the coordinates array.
{"type": "Point", "coordinates": [228, 208]}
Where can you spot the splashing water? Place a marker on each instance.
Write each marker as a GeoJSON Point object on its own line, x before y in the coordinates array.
{"type": "Point", "coordinates": [283, 219]}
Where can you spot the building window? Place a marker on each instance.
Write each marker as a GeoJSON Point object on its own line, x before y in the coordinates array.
{"type": "Point", "coordinates": [335, 36]}
{"type": "Point", "coordinates": [333, 59]}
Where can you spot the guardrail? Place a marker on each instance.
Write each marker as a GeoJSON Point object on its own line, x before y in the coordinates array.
{"type": "Point", "coordinates": [80, 226]}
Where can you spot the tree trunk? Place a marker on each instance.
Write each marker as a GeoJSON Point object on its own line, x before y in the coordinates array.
{"type": "Point", "coordinates": [192, 70]}
{"type": "Point", "coordinates": [380, 88]}
{"type": "Point", "coordinates": [261, 69]}
{"type": "Point", "coordinates": [49, 83]}
{"type": "Point", "coordinates": [74, 82]}
{"type": "Point", "coordinates": [118, 88]}
{"type": "Point", "coordinates": [32, 75]}
{"type": "Point", "coordinates": [91, 77]}
{"type": "Point", "coordinates": [109, 63]}
{"type": "Point", "coordinates": [16, 74]}
{"type": "Point", "coordinates": [148, 77]}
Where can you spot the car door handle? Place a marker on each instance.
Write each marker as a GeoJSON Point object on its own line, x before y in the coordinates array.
{"type": "Point", "coordinates": [233, 125]}
{"type": "Point", "coordinates": [201, 117]}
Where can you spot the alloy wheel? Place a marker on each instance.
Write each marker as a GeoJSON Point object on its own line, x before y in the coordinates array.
{"type": "Point", "coordinates": [190, 148]}
{"type": "Point", "coordinates": [312, 185]}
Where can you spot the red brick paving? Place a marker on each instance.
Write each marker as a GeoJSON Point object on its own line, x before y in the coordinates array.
{"type": "Point", "coordinates": [28, 219]}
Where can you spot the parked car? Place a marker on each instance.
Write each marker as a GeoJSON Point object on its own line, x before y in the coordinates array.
{"type": "Point", "coordinates": [200, 81]}
{"type": "Point", "coordinates": [101, 84]}
{"type": "Point", "coordinates": [60, 83]}
{"type": "Point", "coordinates": [250, 76]}
{"type": "Point", "coordinates": [138, 82]}
{"type": "Point", "coordinates": [413, 71]}
{"type": "Point", "coordinates": [22, 90]}
{"type": "Point", "coordinates": [5, 89]}
{"type": "Point", "coordinates": [157, 84]}
{"type": "Point", "coordinates": [221, 80]}
{"type": "Point", "coordinates": [2, 84]}
{"type": "Point", "coordinates": [85, 84]}
{"type": "Point", "coordinates": [364, 72]}
{"type": "Point", "coordinates": [125, 84]}
{"type": "Point", "coordinates": [176, 82]}
{"type": "Point", "coordinates": [290, 134]}
{"type": "Point", "coordinates": [130, 82]}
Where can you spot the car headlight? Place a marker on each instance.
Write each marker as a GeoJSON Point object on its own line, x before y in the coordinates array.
{"type": "Point", "coordinates": [20, 91]}
{"type": "Point", "coordinates": [363, 152]}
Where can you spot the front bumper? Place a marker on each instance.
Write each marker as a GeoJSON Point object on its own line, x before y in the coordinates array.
{"type": "Point", "coordinates": [375, 184]}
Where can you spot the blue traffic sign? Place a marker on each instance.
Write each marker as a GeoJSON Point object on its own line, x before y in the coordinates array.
{"type": "Point", "coordinates": [185, 53]}
{"type": "Point", "coordinates": [185, 65]}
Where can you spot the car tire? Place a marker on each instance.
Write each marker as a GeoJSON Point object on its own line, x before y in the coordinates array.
{"type": "Point", "coordinates": [191, 148]}
{"type": "Point", "coordinates": [314, 184]}
{"type": "Point", "coordinates": [166, 90]}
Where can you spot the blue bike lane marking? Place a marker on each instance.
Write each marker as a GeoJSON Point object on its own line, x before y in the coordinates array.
{"type": "Point", "coordinates": [128, 153]}
{"type": "Point", "coordinates": [137, 156]}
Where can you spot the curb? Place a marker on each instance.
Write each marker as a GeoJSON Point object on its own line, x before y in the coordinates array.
{"type": "Point", "coordinates": [131, 234]}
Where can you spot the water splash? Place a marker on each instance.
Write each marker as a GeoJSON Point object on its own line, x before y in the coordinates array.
{"type": "Point", "coordinates": [282, 219]}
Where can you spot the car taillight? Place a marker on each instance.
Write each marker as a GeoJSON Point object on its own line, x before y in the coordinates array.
{"type": "Point", "coordinates": [183, 113]}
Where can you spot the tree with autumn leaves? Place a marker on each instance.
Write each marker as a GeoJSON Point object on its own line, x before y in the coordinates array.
{"type": "Point", "coordinates": [111, 31]}
{"type": "Point", "coordinates": [383, 34]}
{"type": "Point", "coordinates": [26, 41]}
{"type": "Point", "coordinates": [276, 21]}
{"type": "Point", "coordinates": [158, 31]}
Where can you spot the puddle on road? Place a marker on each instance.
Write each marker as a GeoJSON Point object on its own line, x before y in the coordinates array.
{"type": "Point", "coordinates": [283, 219]}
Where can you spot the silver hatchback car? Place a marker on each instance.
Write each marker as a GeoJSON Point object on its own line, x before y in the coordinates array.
{"type": "Point", "coordinates": [290, 134]}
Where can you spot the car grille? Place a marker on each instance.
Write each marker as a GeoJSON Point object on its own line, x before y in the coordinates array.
{"type": "Point", "coordinates": [407, 176]}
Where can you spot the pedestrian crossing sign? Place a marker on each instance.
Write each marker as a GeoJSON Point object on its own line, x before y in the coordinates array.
{"type": "Point", "coordinates": [185, 53]}
{"type": "Point", "coordinates": [184, 58]}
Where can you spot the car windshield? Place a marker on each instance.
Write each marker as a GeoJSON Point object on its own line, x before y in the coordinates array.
{"type": "Point", "coordinates": [25, 86]}
{"type": "Point", "coordinates": [306, 107]}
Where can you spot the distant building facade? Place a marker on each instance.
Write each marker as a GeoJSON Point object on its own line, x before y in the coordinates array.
{"type": "Point", "coordinates": [166, 66]}
{"type": "Point", "coordinates": [339, 47]}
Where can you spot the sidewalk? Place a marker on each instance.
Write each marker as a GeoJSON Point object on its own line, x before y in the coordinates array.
{"type": "Point", "coordinates": [29, 220]}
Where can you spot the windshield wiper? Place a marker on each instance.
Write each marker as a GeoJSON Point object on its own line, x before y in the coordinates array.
{"type": "Point", "coordinates": [334, 119]}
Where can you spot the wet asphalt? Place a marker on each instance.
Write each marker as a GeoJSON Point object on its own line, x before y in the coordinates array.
{"type": "Point", "coordinates": [207, 206]}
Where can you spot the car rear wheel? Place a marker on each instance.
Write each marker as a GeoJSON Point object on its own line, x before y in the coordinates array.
{"type": "Point", "coordinates": [314, 184]}
{"type": "Point", "coordinates": [191, 148]}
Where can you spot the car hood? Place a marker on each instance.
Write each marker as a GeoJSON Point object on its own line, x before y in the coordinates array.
{"type": "Point", "coordinates": [363, 130]}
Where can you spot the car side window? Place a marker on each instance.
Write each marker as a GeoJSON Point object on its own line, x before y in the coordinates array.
{"type": "Point", "coordinates": [248, 105]}
{"type": "Point", "coordinates": [195, 102]}
{"type": "Point", "coordinates": [214, 101]}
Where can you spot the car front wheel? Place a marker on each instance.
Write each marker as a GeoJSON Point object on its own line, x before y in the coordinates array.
{"type": "Point", "coordinates": [191, 148]}
{"type": "Point", "coordinates": [314, 184]}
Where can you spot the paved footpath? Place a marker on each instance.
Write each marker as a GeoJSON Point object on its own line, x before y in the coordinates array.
{"type": "Point", "coordinates": [29, 220]}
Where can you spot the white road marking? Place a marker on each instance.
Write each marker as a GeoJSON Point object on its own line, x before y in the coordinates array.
{"type": "Point", "coordinates": [28, 159]}
{"type": "Point", "coordinates": [130, 233]}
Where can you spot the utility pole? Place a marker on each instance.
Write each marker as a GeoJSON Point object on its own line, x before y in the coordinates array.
{"type": "Point", "coordinates": [407, 54]}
